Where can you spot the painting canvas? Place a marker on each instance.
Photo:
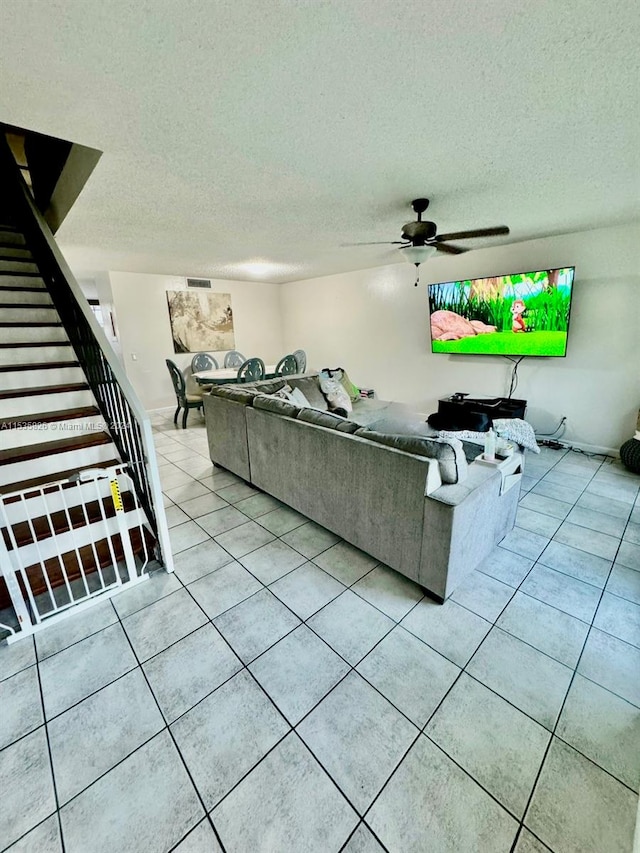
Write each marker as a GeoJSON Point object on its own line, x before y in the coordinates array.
{"type": "Point", "coordinates": [200, 322]}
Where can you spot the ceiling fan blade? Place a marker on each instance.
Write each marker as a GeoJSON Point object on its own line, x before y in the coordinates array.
{"type": "Point", "coordinates": [450, 250]}
{"type": "Point", "coordinates": [378, 243]}
{"type": "Point", "coordinates": [477, 232]}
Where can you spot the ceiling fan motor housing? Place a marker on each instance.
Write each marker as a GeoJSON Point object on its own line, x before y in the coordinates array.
{"type": "Point", "coordinates": [419, 232]}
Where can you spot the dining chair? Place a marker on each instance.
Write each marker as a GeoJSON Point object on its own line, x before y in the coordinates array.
{"type": "Point", "coordinates": [287, 365]}
{"type": "Point", "coordinates": [301, 358]}
{"type": "Point", "coordinates": [251, 371]}
{"type": "Point", "coordinates": [234, 359]}
{"type": "Point", "coordinates": [185, 401]}
{"type": "Point", "coordinates": [203, 361]}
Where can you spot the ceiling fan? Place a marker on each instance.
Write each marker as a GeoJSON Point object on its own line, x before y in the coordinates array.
{"type": "Point", "coordinates": [420, 239]}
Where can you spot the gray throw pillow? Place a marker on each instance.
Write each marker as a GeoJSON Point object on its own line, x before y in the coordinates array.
{"type": "Point", "coordinates": [449, 453]}
{"type": "Point", "coordinates": [310, 387]}
{"type": "Point", "coordinates": [273, 404]}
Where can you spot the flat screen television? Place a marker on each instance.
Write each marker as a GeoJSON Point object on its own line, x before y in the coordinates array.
{"type": "Point", "coordinates": [521, 314]}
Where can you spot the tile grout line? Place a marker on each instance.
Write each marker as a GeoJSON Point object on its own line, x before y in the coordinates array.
{"type": "Point", "coordinates": [360, 823]}
{"type": "Point", "coordinates": [51, 767]}
{"type": "Point", "coordinates": [167, 727]}
{"type": "Point", "coordinates": [439, 705]}
{"type": "Point", "coordinates": [520, 821]}
{"type": "Point", "coordinates": [352, 667]}
{"type": "Point", "coordinates": [559, 717]}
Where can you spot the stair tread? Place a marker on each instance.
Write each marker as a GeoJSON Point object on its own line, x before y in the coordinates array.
{"type": "Point", "coordinates": [16, 259]}
{"type": "Point", "coordinates": [39, 324]}
{"type": "Point", "coordinates": [43, 389]}
{"type": "Point", "coordinates": [51, 417]}
{"type": "Point", "coordinates": [21, 305]}
{"type": "Point", "coordinates": [42, 365]}
{"type": "Point", "coordinates": [49, 448]}
{"type": "Point", "coordinates": [15, 288]}
{"type": "Point", "coordinates": [37, 482]}
{"type": "Point", "coordinates": [18, 344]}
{"type": "Point", "coordinates": [22, 273]}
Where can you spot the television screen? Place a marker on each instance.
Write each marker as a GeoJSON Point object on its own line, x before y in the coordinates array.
{"type": "Point", "coordinates": [522, 314]}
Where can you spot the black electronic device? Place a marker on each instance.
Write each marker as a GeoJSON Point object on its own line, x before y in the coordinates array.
{"type": "Point", "coordinates": [459, 411]}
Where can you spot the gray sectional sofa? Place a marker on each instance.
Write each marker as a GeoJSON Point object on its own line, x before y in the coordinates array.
{"type": "Point", "coordinates": [381, 478]}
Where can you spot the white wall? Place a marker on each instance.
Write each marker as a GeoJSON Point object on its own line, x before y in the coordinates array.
{"type": "Point", "coordinates": [142, 321]}
{"type": "Point", "coordinates": [98, 286]}
{"type": "Point", "coordinates": [375, 323]}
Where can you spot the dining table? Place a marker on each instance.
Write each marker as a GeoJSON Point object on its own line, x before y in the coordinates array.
{"type": "Point", "coordinates": [227, 375]}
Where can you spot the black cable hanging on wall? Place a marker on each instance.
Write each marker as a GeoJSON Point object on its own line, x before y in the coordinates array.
{"type": "Point", "coordinates": [514, 374]}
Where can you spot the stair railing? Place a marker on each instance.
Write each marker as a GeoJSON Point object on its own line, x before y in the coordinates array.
{"type": "Point", "coordinates": [127, 421]}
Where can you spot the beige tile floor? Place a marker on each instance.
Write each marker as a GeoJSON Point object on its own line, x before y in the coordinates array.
{"type": "Point", "coordinates": [282, 691]}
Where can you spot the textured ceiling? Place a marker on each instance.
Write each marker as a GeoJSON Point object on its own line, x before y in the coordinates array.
{"type": "Point", "coordinates": [238, 131]}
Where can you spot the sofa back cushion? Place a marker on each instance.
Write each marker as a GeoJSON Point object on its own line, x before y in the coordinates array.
{"type": "Point", "coordinates": [275, 405]}
{"type": "Point", "coordinates": [327, 419]}
{"type": "Point", "coordinates": [266, 386]}
{"type": "Point", "coordinates": [448, 452]}
{"type": "Point", "coordinates": [237, 393]}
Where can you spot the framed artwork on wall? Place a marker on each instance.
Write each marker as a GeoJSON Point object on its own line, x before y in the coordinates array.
{"type": "Point", "coordinates": [200, 322]}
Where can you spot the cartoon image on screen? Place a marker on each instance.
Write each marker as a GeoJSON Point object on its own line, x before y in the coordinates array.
{"type": "Point", "coordinates": [522, 314]}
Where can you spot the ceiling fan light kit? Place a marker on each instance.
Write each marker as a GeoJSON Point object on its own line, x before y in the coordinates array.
{"type": "Point", "coordinates": [417, 254]}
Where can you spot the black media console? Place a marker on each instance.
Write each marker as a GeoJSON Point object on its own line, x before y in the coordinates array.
{"type": "Point", "coordinates": [462, 409]}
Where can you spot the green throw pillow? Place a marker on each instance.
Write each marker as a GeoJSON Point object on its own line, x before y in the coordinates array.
{"type": "Point", "coordinates": [349, 387]}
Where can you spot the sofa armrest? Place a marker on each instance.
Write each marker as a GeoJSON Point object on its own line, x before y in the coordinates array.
{"type": "Point", "coordinates": [227, 434]}
{"type": "Point", "coordinates": [510, 471]}
{"type": "Point", "coordinates": [463, 522]}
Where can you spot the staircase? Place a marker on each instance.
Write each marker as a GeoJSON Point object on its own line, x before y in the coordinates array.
{"type": "Point", "coordinates": [81, 510]}
{"type": "Point", "coordinates": [50, 424]}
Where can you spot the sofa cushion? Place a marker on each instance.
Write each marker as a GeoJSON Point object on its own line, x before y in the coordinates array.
{"type": "Point", "coordinates": [266, 386]}
{"type": "Point", "coordinates": [273, 404]}
{"type": "Point", "coordinates": [448, 452]}
{"type": "Point", "coordinates": [327, 419]}
{"type": "Point", "coordinates": [237, 393]}
{"type": "Point", "coordinates": [398, 424]}
{"type": "Point", "coordinates": [368, 412]}
{"type": "Point", "coordinates": [193, 389]}
{"type": "Point", "coordinates": [310, 387]}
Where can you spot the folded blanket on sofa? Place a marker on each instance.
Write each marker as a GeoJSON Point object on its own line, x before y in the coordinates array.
{"type": "Point", "coordinates": [513, 429]}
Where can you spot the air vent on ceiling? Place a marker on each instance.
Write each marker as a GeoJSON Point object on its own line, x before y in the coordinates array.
{"type": "Point", "coordinates": [203, 283]}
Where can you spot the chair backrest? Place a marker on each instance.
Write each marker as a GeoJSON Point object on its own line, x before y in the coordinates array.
{"type": "Point", "coordinates": [251, 371]}
{"type": "Point", "coordinates": [287, 365]}
{"type": "Point", "coordinates": [177, 378]}
{"type": "Point", "coordinates": [301, 358]}
{"type": "Point", "coordinates": [203, 361]}
{"type": "Point", "coordinates": [234, 359]}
